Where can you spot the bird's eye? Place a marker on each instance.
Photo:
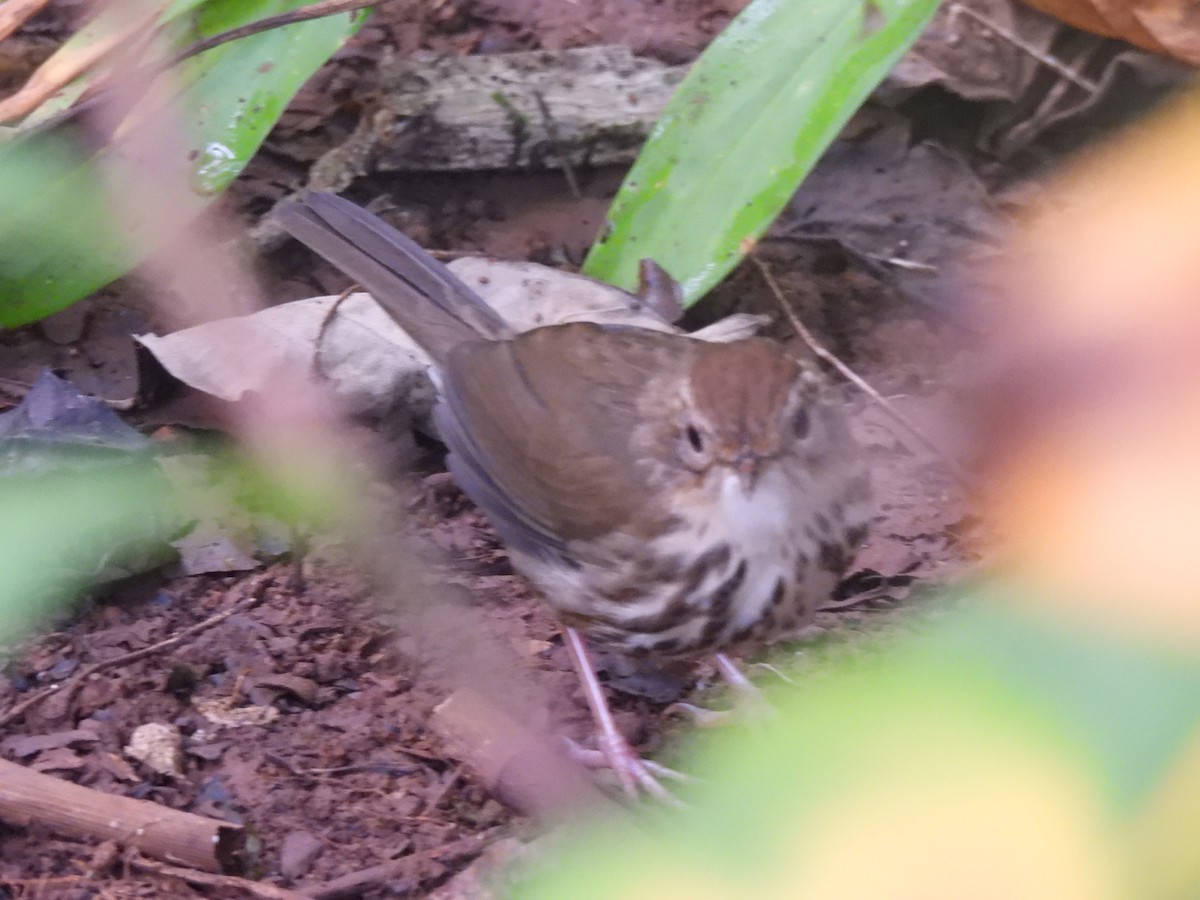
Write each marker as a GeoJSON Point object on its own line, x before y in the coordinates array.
{"type": "Point", "coordinates": [692, 448]}
{"type": "Point", "coordinates": [801, 422]}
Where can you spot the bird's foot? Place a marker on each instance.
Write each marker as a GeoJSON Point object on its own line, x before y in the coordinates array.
{"type": "Point", "coordinates": [749, 704]}
{"type": "Point", "coordinates": [636, 776]}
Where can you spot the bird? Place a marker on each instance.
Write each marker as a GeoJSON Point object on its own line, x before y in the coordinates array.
{"type": "Point", "coordinates": [668, 497]}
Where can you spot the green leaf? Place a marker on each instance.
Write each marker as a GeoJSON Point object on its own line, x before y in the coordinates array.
{"type": "Point", "coordinates": [238, 90]}
{"type": "Point", "coordinates": [995, 734]}
{"type": "Point", "coordinates": [69, 530]}
{"type": "Point", "coordinates": [744, 128]}
{"type": "Point", "coordinates": [57, 239]}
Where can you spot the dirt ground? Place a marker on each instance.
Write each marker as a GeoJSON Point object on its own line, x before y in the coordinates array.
{"type": "Point", "coordinates": [350, 773]}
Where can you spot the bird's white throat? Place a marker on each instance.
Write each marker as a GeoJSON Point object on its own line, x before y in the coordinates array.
{"type": "Point", "coordinates": [758, 525]}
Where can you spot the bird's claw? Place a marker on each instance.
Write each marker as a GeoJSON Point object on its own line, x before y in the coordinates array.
{"type": "Point", "coordinates": [635, 775]}
{"type": "Point", "coordinates": [701, 717]}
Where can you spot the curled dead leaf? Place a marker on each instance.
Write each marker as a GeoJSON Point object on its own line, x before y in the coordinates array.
{"type": "Point", "coordinates": [224, 711]}
{"type": "Point", "coordinates": [1169, 27]}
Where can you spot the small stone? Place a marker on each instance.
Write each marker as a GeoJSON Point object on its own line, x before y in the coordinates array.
{"type": "Point", "coordinates": [65, 327]}
{"type": "Point", "coordinates": [62, 669]}
{"type": "Point", "coordinates": [299, 851]}
{"type": "Point", "coordinates": [159, 746]}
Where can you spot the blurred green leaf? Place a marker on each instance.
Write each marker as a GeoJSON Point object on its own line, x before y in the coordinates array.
{"type": "Point", "coordinates": [85, 519]}
{"type": "Point", "coordinates": [63, 532]}
{"type": "Point", "coordinates": [58, 244]}
{"type": "Point", "coordinates": [1130, 706]}
{"type": "Point", "coordinates": [998, 749]}
{"type": "Point", "coordinates": [744, 128]}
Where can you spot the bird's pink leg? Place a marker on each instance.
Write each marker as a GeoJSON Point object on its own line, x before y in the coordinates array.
{"type": "Point", "coordinates": [632, 771]}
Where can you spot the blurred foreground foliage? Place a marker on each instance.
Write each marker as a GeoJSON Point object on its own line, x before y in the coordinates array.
{"type": "Point", "coordinates": [82, 522]}
{"type": "Point", "coordinates": [1023, 745]}
{"type": "Point", "coordinates": [58, 238]}
{"type": "Point", "coordinates": [70, 529]}
{"type": "Point", "coordinates": [1169, 27]}
{"type": "Point", "coordinates": [1002, 754]}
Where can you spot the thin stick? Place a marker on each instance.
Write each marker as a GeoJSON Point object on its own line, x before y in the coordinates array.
{"type": "Point", "coordinates": [313, 11]}
{"type": "Point", "coordinates": [1045, 59]}
{"type": "Point", "coordinates": [520, 767]}
{"type": "Point", "coordinates": [259, 889]}
{"type": "Point", "coordinates": [326, 323]}
{"type": "Point", "coordinates": [856, 379]}
{"type": "Point", "coordinates": [560, 146]}
{"type": "Point", "coordinates": [356, 883]}
{"type": "Point", "coordinates": [69, 61]}
{"type": "Point", "coordinates": [257, 589]}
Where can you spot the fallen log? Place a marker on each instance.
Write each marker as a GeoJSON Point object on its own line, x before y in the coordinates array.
{"type": "Point", "coordinates": [539, 109]}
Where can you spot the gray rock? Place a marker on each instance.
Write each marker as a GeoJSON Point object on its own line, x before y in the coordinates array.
{"type": "Point", "coordinates": [300, 850]}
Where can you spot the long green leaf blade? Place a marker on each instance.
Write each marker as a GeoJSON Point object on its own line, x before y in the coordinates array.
{"type": "Point", "coordinates": [744, 128]}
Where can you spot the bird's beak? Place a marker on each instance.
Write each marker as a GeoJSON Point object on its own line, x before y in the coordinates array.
{"type": "Point", "coordinates": [747, 470]}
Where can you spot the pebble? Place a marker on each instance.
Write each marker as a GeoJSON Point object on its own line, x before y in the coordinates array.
{"type": "Point", "coordinates": [299, 851]}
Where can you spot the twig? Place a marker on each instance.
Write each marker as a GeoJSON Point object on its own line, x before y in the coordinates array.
{"type": "Point", "coordinates": [256, 594]}
{"type": "Point", "coordinates": [451, 779]}
{"type": "Point", "coordinates": [69, 61]}
{"type": "Point", "coordinates": [207, 879]}
{"type": "Point", "coordinates": [49, 78]}
{"type": "Point", "coordinates": [560, 147]}
{"type": "Point", "coordinates": [1045, 59]}
{"type": "Point", "coordinates": [519, 766]}
{"type": "Point", "coordinates": [856, 379]}
{"type": "Point", "coordinates": [355, 883]}
{"type": "Point", "coordinates": [46, 881]}
{"type": "Point", "coordinates": [312, 11]}
{"type": "Point", "coordinates": [14, 388]}
{"type": "Point", "coordinates": [326, 324]}
{"type": "Point", "coordinates": [381, 768]}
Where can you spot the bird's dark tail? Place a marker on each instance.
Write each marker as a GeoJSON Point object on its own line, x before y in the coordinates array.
{"type": "Point", "coordinates": [425, 298]}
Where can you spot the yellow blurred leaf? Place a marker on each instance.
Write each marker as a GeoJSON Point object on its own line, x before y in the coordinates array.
{"type": "Point", "coordinates": [1167, 860]}
{"type": "Point", "coordinates": [954, 817]}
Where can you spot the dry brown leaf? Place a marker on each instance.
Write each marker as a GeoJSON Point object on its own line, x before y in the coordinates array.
{"type": "Point", "coordinates": [1170, 27]}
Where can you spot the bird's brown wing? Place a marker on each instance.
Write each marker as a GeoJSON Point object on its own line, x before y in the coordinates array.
{"type": "Point", "coordinates": [541, 428]}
